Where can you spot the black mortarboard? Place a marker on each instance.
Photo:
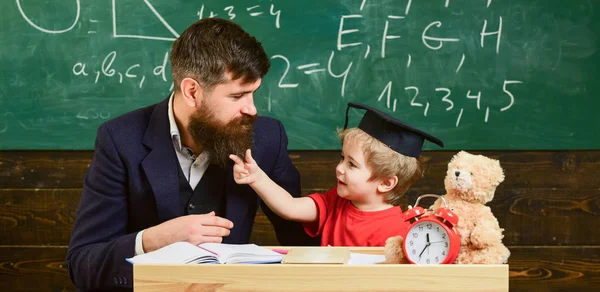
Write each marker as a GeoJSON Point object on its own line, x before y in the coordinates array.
{"type": "Point", "coordinates": [399, 136]}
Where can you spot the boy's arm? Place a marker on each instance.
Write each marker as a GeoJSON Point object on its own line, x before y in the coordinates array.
{"type": "Point", "coordinates": [277, 198]}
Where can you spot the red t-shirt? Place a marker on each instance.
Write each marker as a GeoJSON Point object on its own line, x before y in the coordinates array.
{"type": "Point", "coordinates": [342, 224]}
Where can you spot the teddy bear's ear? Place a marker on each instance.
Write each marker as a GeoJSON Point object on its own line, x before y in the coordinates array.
{"type": "Point", "coordinates": [458, 155]}
{"type": "Point", "coordinates": [498, 171]}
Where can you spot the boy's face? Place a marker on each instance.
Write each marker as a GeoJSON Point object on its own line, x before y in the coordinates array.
{"type": "Point", "coordinates": [353, 174]}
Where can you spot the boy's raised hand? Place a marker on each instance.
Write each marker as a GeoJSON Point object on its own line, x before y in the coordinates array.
{"type": "Point", "coordinates": [245, 172]}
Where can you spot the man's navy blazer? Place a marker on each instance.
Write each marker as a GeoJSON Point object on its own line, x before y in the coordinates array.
{"type": "Point", "coordinates": [132, 184]}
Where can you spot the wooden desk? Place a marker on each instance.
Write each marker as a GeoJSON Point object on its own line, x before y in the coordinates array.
{"type": "Point", "coordinates": [306, 277]}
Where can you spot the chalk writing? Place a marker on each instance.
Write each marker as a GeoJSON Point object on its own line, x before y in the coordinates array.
{"type": "Point", "coordinates": [349, 24]}
{"type": "Point", "coordinates": [49, 30]}
{"type": "Point", "coordinates": [252, 11]}
{"type": "Point", "coordinates": [365, 49]}
{"type": "Point", "coordinates": [158, 16]}
{"type": "Point", "coordinates": [343, 75]}
{"type": "Point", "coordinates": [93, 114]}
{"type": "Point", "coordinates": [133, 71]}
{"type": "Point", "coordinates": [287, 69]}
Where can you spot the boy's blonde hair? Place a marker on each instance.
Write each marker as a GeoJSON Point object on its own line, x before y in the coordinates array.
{"type": "Point", "coordinates": [384, 162]}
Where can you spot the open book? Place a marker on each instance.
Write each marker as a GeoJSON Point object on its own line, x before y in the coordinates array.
{"type": "Point", "coordinates": [208, 253]}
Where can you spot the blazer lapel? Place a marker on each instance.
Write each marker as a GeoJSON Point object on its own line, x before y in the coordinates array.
{"type": "Point", "coordinates": [161, 163]}
{"type": "Point", "coordinates": [239, 201]}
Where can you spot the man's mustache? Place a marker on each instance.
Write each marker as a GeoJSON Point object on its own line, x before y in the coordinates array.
{"type": "Point", "coordinates": [244, 120]}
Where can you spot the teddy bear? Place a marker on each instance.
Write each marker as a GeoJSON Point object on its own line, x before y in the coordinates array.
{"type": "Point", "coordinates": [470, 183]}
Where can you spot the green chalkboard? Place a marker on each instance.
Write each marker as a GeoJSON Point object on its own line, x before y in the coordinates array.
{"type": "Point", "coordinates": [485, 74]}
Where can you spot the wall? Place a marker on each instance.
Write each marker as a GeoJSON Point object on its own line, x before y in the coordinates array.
{"type": "Point", "coordinates": [549, 205]}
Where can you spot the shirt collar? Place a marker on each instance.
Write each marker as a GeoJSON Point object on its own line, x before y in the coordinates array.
{"type": "Point", "coordinates": [175, 134]}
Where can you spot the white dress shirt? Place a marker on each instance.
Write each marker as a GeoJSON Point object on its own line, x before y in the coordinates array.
{"type": "Point", "coordinates": [193, 167]}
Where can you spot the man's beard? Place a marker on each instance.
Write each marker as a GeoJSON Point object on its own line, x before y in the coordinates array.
{"type": "Point", "coordinates": [221, 140]}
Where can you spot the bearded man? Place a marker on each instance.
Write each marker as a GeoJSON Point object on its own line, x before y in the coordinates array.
{"type": "Point", "coordinates": [162, 174]}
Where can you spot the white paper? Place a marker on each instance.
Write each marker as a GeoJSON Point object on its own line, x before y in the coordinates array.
{"type": "Point", "coordinates": [365, 259]}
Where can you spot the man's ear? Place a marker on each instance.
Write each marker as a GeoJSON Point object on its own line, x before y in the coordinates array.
{"type": "Point", "coordinates": [191, 92]}
{"type": "Point", "coordinates": [387, 184]}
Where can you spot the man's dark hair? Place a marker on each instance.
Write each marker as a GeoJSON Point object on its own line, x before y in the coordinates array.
{"type": "Point", "coordinates": [211, 47]}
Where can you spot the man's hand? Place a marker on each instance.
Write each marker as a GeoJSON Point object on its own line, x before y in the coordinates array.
{"type": "Point", "coordinates": [195, 229]}
{"type": "Point", "coordinates": [246, 172]}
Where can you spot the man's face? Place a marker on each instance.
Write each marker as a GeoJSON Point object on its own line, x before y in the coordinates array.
{"type": "Point", "coordinates": [232, 100]}
{"type": "Point", "coordinates": [223, 122]}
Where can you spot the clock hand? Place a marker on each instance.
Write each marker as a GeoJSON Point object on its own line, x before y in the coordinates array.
{"type": "Point", "coordinates": [426, 246]}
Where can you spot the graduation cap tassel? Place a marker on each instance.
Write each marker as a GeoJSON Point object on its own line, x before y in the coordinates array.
{"type": "Point", "coordinates": [346, 123]}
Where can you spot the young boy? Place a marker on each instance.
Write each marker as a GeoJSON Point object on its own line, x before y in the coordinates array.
{"type": "Point", "coordinates": [379, 163]}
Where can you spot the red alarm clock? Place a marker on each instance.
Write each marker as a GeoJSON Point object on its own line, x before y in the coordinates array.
{"type": "Point", "coordinates": [431, 238]}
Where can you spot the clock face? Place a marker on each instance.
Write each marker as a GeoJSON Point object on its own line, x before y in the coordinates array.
{"type": "Point", "coordinates": [427, 243]}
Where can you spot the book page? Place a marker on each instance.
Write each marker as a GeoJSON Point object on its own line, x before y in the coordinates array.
{"type": "Point", "coordinates": [242, 253]}
{"type": "Point", "coordinates": [175, 253]}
